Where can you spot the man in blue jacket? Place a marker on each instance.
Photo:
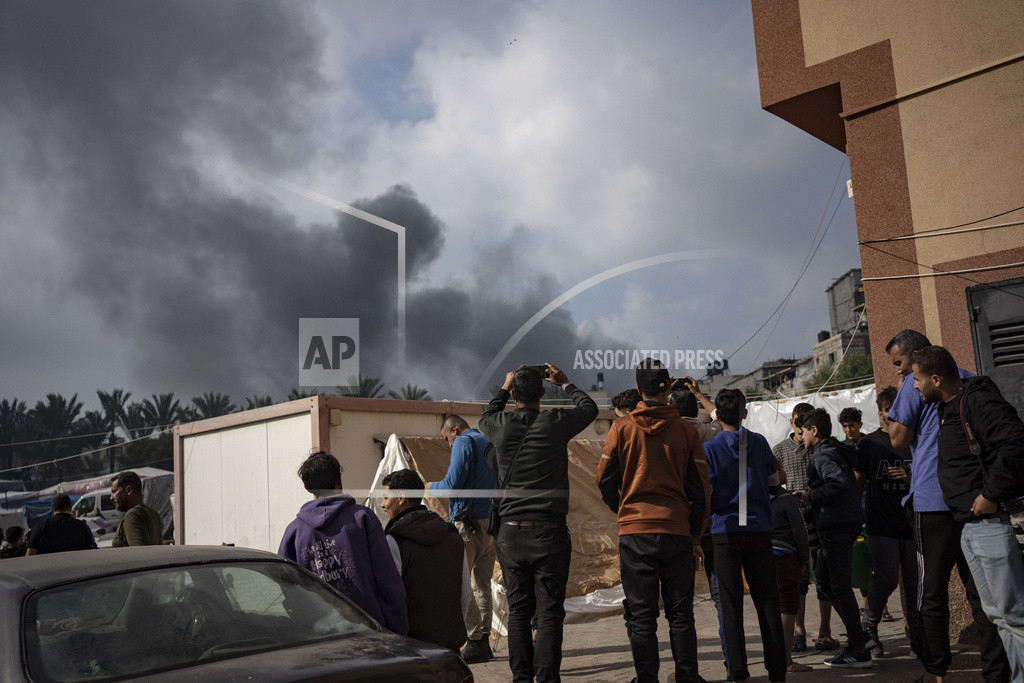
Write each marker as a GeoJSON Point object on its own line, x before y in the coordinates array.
{"type": "Point", "coordinates": [469, 471]}
{"type": "Point", "coordinates": [343, 543]}
{"type": "Point", "coordinates": [834, 497]}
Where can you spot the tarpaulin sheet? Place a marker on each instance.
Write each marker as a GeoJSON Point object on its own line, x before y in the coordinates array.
{"type": "Point", "coordinates": [771, 418]}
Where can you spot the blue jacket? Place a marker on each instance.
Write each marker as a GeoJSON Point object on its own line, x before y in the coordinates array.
{"type": "Point", "coordinates": [833, 492]}
{"type": "Point", "coordinates": [467, 472]}
{"type": "Point", "coordinates": [723, 456]}
{"type": "Point", "coordinates": [343, 543]}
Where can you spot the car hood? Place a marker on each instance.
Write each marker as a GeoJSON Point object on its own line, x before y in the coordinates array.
{"type": "Point", "coordinates": [372, 657]}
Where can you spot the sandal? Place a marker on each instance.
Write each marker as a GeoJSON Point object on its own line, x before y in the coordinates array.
{"type": "Point", "coordinates": [799, 643]}
{"type": "Point", "coordinates": [826, 643]}
{"type": "Point", "coordinates": [887, 617]}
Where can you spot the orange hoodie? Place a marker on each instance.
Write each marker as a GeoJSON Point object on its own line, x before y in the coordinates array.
{"type": "Point", "coordinates": [654, 475]}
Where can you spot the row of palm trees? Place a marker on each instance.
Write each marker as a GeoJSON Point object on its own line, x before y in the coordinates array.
{"type": "Point", "coordinates": [56, 440]}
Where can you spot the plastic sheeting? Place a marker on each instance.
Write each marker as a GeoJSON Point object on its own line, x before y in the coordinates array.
{"type": "Point", "coordinates": [594, 567]}
{"type": "Point", "coordinates": [771, 418]}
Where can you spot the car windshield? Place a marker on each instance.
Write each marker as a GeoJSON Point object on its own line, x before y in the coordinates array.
{"type": "Point", "coordinates": [160, 619]}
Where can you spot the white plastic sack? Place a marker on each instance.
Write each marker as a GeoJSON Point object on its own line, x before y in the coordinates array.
{"type": "Point", "coordinates": [395, 458]}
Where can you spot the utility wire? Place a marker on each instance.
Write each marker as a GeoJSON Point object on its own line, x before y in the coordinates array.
{"type": "Point", "coordinates": [987, 285]}
{"type": "Point", "coordinates": [80, 455]}
{"type": "Point", "coordinates": [952, 227]}
{"type": "Point", "coordinates": [807, 259]}
{"type": "Point", "coordinates": [160, 428]}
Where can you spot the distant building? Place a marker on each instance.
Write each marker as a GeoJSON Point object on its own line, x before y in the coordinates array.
{"type": "Point", "coordinates": [846, 313]}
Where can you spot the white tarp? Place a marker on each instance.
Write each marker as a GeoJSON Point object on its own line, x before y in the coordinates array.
{"type": "Point", "coordinates": [771, 418]}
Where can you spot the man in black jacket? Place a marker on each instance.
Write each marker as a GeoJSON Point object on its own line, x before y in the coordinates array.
{"type": "Point", "coordinates": [431, 558]}
{"type": "Point", "coordinates": [981, 472]}
{"type": "Point", "coordinates": [532, 544]}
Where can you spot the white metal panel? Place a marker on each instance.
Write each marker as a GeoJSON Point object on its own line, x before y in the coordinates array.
{"type": "Point", "coordinates": [204, 514]}
{"type": "Point", "coordinates": [289, 441]}
{"type": "Point", "coordinates": [244, 492]}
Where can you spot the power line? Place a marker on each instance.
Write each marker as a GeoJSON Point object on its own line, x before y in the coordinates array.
{"type": "Point", "coordinates": [952, 227]}
{"type": "Point", "coordinates": [943, 233]}
{"type": "Point", "coordinates": [958, 274]}
{"type": "Point", "coordinates": [82, 454]}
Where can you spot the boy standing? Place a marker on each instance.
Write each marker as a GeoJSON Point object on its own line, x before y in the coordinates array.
{"type": "Point", "coordinates": [835, 503]}
{"type": "Point", "coordinates": [741, 468]}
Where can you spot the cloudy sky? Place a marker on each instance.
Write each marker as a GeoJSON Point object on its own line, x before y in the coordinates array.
{"type": "Point", "coordinates": [526, 147]}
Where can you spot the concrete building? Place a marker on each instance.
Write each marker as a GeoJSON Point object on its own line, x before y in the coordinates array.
{"type": "Point", "coordinates": [927, 100]}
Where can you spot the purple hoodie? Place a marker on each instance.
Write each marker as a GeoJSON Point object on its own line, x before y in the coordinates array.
{"type": "Point", "coordinates": [344, 544]}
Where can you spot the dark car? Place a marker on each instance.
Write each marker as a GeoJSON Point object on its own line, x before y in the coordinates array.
{"type": "Point", "coordinates": [190, 613]}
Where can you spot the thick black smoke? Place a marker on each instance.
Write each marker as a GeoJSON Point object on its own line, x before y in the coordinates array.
{"type": "Point", "coordinates": [124, 114]}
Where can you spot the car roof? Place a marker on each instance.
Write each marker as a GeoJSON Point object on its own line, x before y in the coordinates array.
{"type": "Point", "coordinates": [40, 571]}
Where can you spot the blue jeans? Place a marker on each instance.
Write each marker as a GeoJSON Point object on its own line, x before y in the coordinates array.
{"type": "Point", "coordinates": [535, 565]}
{"type": "Point", "coordinates": [998, 569]}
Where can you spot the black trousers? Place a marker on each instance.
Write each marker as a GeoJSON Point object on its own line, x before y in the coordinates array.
{"type": "Point", "coordinates": [653, 564]}
{"type": "Point", "coordinates": [535, 565]}
{"type": "Point", "coordinates": [751, 553]}
{"type": "Point", "coordinates": [834, 576]}
{"type": "Point", "coordinates": [938, 539]}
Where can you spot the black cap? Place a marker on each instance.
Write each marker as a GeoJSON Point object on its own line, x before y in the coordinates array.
{"type": "Point", "coordinates": [652, 376]}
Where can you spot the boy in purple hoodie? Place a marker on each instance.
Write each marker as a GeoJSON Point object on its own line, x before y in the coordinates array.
{"type": "Point", "coordinates": [343, 543]}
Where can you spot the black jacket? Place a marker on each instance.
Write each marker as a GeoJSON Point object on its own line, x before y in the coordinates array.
{"type": "Point", "coordinates": [432, 555]}
{"type": "Point", "coordinates": [997, 470]}
{"type": "Point", "coordinates": [834, 494]}
{"type": "Point", "coordinates": [539, 487]}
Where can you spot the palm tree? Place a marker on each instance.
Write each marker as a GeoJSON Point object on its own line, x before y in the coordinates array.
{"type": "Point", "coordinates": [212, 404]}
{"type": "Point", "coordinates": [135, 423]}
{"type": "Point", "coordinates": [258, 402]}
{"type": "Point", "coordinates": [161, 410]}
{"type": "Point", "coordinates": [92, 429]}
{"type": "Point", "coordinates": [411, 392]}
{"type": "Point", "coordinates": [296, 394]}
{"type": "Point", "coordinates": [53, 420]}
{"type": "Point", "coordinates": [13, 425]}
{"type": "Point", "coordinates": [362, 387]}
{"type": "Point", "coordinates": [113, 404]}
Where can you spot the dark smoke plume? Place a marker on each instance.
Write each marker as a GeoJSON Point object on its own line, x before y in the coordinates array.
{"type": "Point", "coordinates": [124, 112]}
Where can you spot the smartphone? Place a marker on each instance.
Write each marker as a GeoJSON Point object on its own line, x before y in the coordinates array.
{"type": "Point", "coordinates": [542, 369]}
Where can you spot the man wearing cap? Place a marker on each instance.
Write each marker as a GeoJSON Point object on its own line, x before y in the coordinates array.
{"type": "Point", "coordinates": [652, 473]}
{"type": "Point", "coordinates": [532, 544]}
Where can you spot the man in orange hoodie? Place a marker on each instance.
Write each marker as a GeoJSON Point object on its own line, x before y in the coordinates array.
{"type": "Point", "coordinates": [653, 475]}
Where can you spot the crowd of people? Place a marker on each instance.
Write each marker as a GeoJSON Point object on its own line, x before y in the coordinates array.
{"type": "Point", "coordinates": [63, 532]}
{"type": "Point", "coordinates": [940, 484]}
{"type": "Point", "coordinates": [933, 487]}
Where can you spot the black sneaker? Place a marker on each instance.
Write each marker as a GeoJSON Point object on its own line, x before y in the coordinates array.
{"type": "Point", "coordinates": [872, 641]}
{"type": "Point", "coordinates": [477, 651]}
{"type": "Point", "coordinates": [848, 658]}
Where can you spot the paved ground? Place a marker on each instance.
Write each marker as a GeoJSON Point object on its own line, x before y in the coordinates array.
{"type": "Point", "coordinates": [597, 652]}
